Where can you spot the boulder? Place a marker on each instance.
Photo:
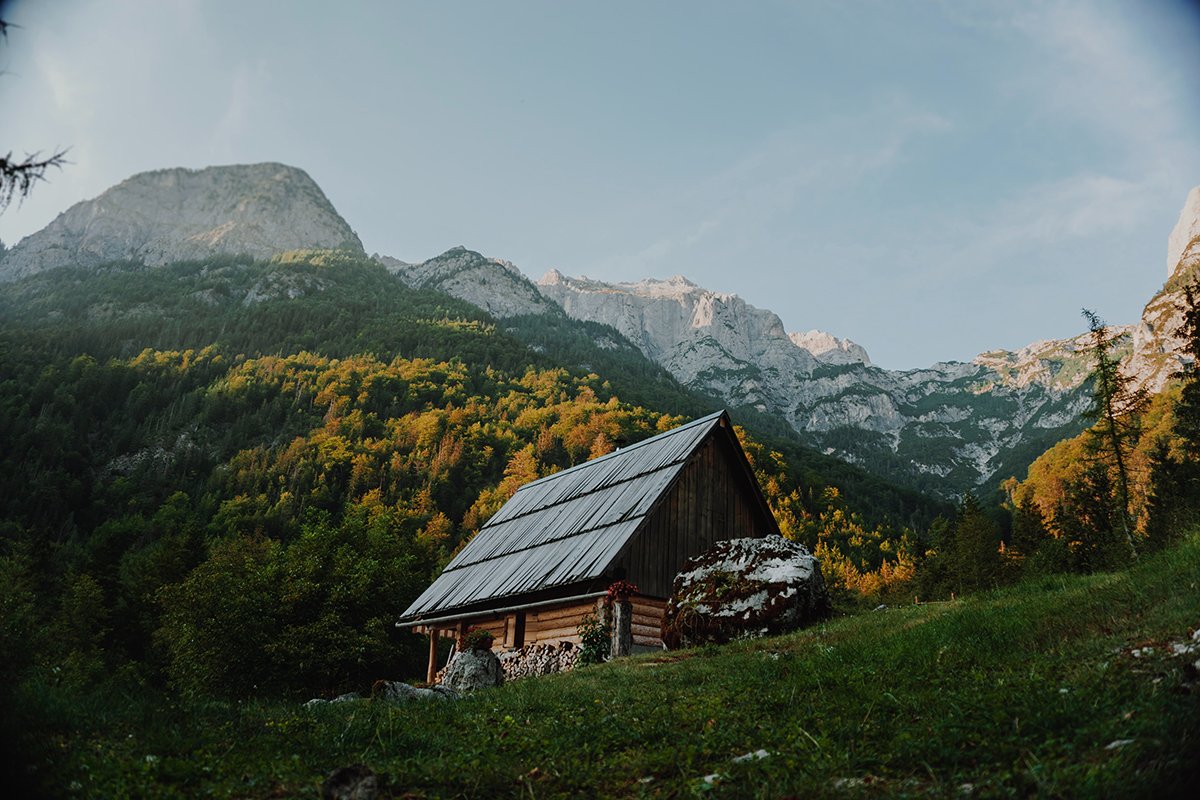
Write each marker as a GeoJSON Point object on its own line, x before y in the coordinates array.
{"type": "Point", "coordinates": [341, 698]}
{"type": "Point", "coordinates": [742, 588]}
{"type": "Point", "coordinates": [473, 669]}
{"type": "Point", "coordinates": [400, 692]}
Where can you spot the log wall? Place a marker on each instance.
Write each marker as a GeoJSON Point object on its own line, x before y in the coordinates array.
{"type": "Point", "coordinates": [554, 624]}
{"type": "Point", "coordinates": [647, 621]}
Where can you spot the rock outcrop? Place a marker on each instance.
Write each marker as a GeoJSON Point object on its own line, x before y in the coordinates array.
{"type": "Point", "coordinates": [742, 588]}
{"type": "Point", "coordinates": [179, 214]}
{"type": "Point", "coordinates": [494, 285]}
{"type": "Point", "coordinates": [473, 669]}
{"type": "Point", "coordinates": [1183, 245]}
{"type": "Point", "coordinates": [401, 692]}
{"type": "Point", "coordinates": [1157, 352]}
{"type": "Point", "coordinates": [830, 349]}
{"type": "Point", "coordinates": [356, 782]}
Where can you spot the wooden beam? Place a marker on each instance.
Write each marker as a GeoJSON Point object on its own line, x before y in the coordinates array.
{"type": "Point", "coordinates": [431, 673]}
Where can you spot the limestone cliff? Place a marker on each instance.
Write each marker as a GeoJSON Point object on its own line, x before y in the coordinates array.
{"type": "Point", "coordinates": [180, 214]}
{"type": "Point", "coordinates": [946, 428]}
{"type": "Point", "coordinates": [1157, 353]}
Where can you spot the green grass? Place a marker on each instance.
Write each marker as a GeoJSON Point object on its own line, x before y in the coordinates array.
{"type": "Point", "coordinates": [1016, 692]}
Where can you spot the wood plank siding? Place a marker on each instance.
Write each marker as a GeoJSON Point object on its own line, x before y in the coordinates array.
{"type": "Point", "coordinates": [711, 501]}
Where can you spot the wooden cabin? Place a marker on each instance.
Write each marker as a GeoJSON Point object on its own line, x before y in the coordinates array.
{"type": "Point", "coordinates": [544, 561]}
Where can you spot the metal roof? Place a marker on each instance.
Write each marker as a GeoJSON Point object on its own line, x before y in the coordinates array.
{"type": "Point", "coordinates": [567, 527]}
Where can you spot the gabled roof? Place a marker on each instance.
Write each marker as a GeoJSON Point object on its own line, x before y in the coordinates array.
{"type": "Point", "coordinates": [565, 528]}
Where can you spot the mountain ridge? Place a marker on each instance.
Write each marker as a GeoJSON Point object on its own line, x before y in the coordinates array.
{"type": "Point", "coordinates": [178, 214]}
{"type": "Point", "coordinates": [945, 428]}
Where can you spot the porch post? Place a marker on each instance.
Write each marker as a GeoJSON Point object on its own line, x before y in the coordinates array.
{"type": "Point", "coordinates": [622, 627]}
{"type": "Point", "coordinates": [431, 673]}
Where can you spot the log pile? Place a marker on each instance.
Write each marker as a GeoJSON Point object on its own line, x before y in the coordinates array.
{"type": "Point", "coordinates": [538, 659]}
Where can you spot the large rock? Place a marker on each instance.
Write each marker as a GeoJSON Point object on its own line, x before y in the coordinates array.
{"type": "Point", "coordinates": [179, 214]}
{"type": "Point", "coordinates": [1158, 350]}
{"type": "Point", "coordinates": [401, 692]}
{"type": "Point", "coordinates": [744, 587]}
{"type": "Point", "coordinates": [473, 669]}
{"type": "Point", "coordinates": [1183, 245]}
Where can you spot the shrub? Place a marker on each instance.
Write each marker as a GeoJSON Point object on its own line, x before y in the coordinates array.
{"type": "Point", "coordinates": [595, 637]}
{"type": "Point", "coordinates": [477, 639]}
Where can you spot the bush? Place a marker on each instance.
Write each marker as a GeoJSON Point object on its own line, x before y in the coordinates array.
{"type": "Point", "coordinates": [595, 638]}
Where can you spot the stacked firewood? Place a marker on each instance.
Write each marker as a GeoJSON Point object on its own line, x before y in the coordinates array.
{"type": "Point", "coordinates": [538, 659]}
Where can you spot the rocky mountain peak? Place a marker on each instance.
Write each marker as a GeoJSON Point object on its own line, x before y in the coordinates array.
{"type": "Point", "coordinates": [495, 285]}
{"type": "Point", "coordinates": [180, 214]}
{"type": "Point", "coordinates": [829, 348]}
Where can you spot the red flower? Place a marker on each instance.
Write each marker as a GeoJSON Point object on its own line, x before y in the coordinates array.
{"type": "Point", "coordinates": [620, 590]}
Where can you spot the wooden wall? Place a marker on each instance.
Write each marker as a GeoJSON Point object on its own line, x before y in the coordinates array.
{"type": "Point", "coordinates": [712, 500]}
{"type": "Point", "coordinates": [555, 624]}
{"type": "Point", "coordinates": [647, 621]}
{"type": "Point", "coordinates": [545, 625]}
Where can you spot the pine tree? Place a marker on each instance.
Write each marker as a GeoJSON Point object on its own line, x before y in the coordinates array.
{"type": "Point", "coordinates": [1169, 509]}
{"type": "Point", "coordinates": [1116, 410]}
{"type": "Point", "coordinates": [1028, 528]}
{"type": "Point", "coordinates": [976, 556]}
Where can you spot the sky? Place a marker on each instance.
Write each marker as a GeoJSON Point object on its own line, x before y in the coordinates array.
{"type": "Point", "coordinates": [930, 179]}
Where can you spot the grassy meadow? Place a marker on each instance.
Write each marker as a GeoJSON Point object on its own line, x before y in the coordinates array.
{"type": "Point", "coordinates": [1032, 690]}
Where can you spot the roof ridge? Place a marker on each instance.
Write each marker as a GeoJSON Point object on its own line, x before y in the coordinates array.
{"type": "Point", "coordinates": [621, 451]}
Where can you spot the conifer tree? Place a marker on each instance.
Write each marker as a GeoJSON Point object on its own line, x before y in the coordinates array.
{"type": "Point", "coordinates": [1028, 528]}
{"type": "Point", "coordinates": [1116, 410]}
{"type": "Point", "coordinates": [1090, 521]}
{"type": "Point", "coordinates": [976, 556]}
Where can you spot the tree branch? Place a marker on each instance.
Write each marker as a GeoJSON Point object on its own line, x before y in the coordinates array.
{"type": "Point", "coordinates": [18, 177]}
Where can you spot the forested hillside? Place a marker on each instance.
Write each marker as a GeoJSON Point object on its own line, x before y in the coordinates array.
{"type": "Point", "coordinates": [235, 474]}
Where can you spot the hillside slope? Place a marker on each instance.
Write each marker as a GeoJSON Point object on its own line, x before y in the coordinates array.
{"type": "Point", "coordinates": [1063, 687]}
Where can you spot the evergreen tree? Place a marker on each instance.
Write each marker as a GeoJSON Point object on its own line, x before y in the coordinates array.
{"type": "Point", "coordinates": [1090, 518]}
{"type": "Point", "coordinates": [1169, 508]}
{"type": "Point", "coordinates": [1116, 410]}
{"type": "Point", "coordinates": [1028, 529]}
{"type": "Point", "coordinates": [976, 557]}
